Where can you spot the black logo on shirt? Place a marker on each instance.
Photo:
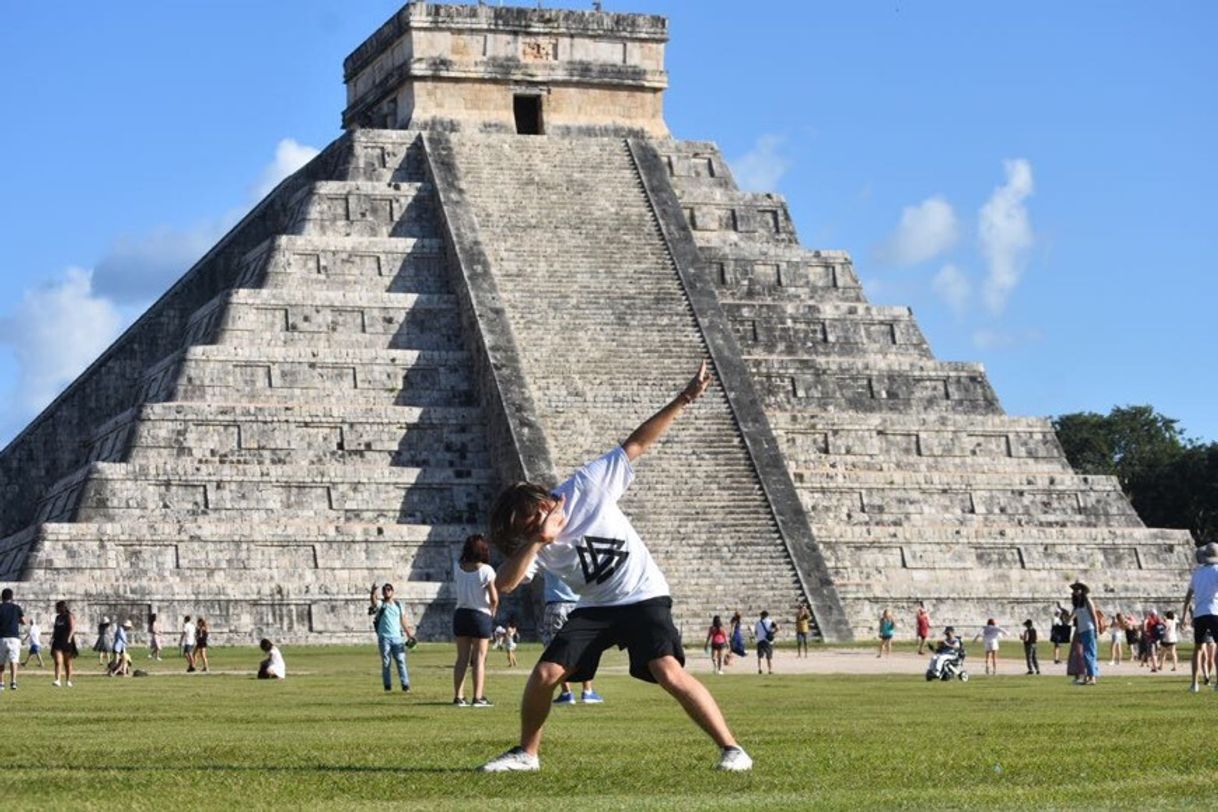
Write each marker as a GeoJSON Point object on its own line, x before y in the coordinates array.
{"type": "Point", "coordinates": [599, 558]}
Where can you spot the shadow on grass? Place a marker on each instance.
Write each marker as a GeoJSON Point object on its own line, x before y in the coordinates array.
{"type": "Point", "coordinates": [243, 768]}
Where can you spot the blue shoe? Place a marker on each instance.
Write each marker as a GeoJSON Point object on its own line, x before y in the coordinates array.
{"type": "Point", "coordinates": [565, 698]}
{"type": "Point", "coordinates": [590, 698]}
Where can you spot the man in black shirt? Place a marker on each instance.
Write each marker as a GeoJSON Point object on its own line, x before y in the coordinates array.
{"type": "Point", "coordinates": [11, 619]}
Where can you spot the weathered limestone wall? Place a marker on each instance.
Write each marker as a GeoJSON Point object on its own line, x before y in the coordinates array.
{"type": "Point", "coordinates": [457, 67]}
{"type": "Point", "coordinates": [915, 483]}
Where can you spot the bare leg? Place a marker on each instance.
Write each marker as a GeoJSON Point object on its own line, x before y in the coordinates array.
{"type": "Point", "coordinates": [463, 648]}
{"type": "Point", "coordinates": [479, 667]}
{"type": "Point", "coordinates": [1198, 656]}
{"type": "Point", "coordinates": [693, 697]}
{"type": "Point", "coordinates": [535, 705]}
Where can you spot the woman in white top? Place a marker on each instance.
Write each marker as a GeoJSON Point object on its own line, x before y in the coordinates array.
{"type": "Point", "coordinates": [990, 634]}
{"type": "Point", "coordinates": [1171, 636]}
{"type": "Point", "coordinates": [477, 602]}
{"type": "Point", "coordinates": [1086, 631]}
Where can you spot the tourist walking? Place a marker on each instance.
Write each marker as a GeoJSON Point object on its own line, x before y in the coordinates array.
{"type": "Point", "coordinates": [922, 625]}
{"type": "Point", "coordinates": [1202, 600]}
{"type": "Point", "coordinates": [120, 666]}
{"type": "Point", "coordinates": [32, 639]}
{"type": "Point", "coordinates": [1116, 636]}
{"type": "Point", "coordinates": [764, 632]}
{"type": "Point", "coordinates": [560, 602]}
{"type": "Point", "coordinates": [1152, 634]}
{"type": "Point", "coordinates": [12, 618]}
{"type": "Point", "coordinates": [104, 645]}
{"type": "Point", "coordinates": [187, 642]}
{"type": "Point", "coordinates": [202, 638]}
{"type": "Point", "coordinates": [477, 602]}
{"type": "Point", "coordinates": [63, 643]}
{"type": "Point", "coordinates": [990, 634]}
{"type": "Point", "coordinates": [1028, 636]}
{"type": "Point", "coordinates": [1131, 635]}
{"type": "Point", "coordinates": [803, 627]}
{"type": "Point", "coordinates": [579, 532]}
{"type": "Point", "coordinates": [736, 641]}
{"type": "Point", "coordinates": [393, 635]}
{"type": "Point", "coordinates": [273, 667]}
{"type": "Point", "coordinates": [154, 637]}
{"type": "Point", "coordinates": [1171, 639]}
{"type": "Point", "coordinates": [510, 641]}
{"type": "Point", "coordinates": [716, 643]}
{"type": "Point", "coordinates": [1086, 625]}
{"type": "Point", "coordinates": [888, 627]}
{"type": "Point", "coordinates": [1059, 632]}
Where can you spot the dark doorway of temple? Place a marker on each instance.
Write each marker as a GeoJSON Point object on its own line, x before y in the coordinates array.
{"type": "Point", "coordinates": [528, 114]}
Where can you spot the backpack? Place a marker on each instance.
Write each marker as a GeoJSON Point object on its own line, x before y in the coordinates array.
{"type": "Point", "coordinates": [378, 613]}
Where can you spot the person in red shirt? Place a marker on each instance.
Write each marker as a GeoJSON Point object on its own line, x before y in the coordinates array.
{"type": "Point", "coordinates": [923, 623]}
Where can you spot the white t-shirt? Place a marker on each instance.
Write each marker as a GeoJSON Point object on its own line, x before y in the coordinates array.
{"type": "Point", "coordinates": [990, 636]}
{"type": "Point", "coordinates": [1171, 630]}
{"type": "Point", "coordinates": [599, 554]}
{"type": "Point", "coordinates": [277, 667]}
{"type": "Point", "coordinates": [189, 631]}
{"type": "Point", "coordinates": [762, 630]}
{"type": "Point", "coordinates": [1205, 590]}
{"type": "Point", "coordinates": [471, 587]}
{"type": "Point", "coordinates": [34, 632]}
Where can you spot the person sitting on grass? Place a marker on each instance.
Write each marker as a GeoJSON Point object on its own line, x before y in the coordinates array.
{"type": "Point", "coordinates": [578, 532]}
{"type": "Point", "coordinates": [273, 667]}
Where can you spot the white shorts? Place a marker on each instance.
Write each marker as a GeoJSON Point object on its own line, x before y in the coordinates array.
{"type": "Point", "coordinates": [10, 650]}
{"type": "Point", "coordinates": [991, 646]}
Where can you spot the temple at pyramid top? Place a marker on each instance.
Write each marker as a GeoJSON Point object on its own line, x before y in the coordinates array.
{"type": "Point", "coordinates": [511, 70]}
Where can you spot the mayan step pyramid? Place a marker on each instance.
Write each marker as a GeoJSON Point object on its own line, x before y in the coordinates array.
{"type": "Point", "coordinates": [501, 267]}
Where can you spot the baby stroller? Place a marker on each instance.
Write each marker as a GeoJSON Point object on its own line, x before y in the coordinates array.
{"type": "Point", "coordinates": [947, 662]}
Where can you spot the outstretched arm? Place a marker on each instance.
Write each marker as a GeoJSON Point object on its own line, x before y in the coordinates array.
{"type": "Point", "coordinates": [654, 428]}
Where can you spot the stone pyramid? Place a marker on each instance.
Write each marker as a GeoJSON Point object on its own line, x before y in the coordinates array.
{"type": "Point", "coordinates": [501, 267]}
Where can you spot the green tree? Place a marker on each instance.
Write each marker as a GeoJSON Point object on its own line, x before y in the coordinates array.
{"type": "Point", "coordinates": [1170, 480]}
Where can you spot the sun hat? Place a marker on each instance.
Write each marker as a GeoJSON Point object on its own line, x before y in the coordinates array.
{"type": "Point", "coordinates": [1207, 553]}
{"type": "Point", "coordinates": [1079, 585]}
{"type": "Point", "coordinates": [126, 624]}
{"type": "Point", "coordinates": [105, 618]}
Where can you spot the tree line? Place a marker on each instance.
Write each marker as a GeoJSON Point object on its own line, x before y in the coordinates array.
{"type": "Point", "coordinates": [1171, 480]}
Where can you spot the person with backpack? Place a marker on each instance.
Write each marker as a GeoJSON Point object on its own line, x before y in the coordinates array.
{"type": "Point", "coordinates": [393, 635]}
{"type": "Point", "coordinates": [765, 631]}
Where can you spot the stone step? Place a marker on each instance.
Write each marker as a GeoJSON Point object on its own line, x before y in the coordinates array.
{"type": "Point", "coordinates": [392, 264]}
{"type": "Point", "coordinates": [951, 534]}
{"type": "Point", "coordinates": [387, 156]}
{"type": "Point", "coordinates": [401, 435]}
{"type": "Point", "coordinates": [229, 373]}
{"type": "Point", "coordinates": [363, 209]}
{"type": "Point", "coordinates": [812, 465]}
{"type": "Point", "coordinates": [114, 491]}
{"type": "Point", "coordinates": [329, 319]}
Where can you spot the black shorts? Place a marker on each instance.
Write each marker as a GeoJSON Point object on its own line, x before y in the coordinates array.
{"type": "Point", "coordinates": [472, 623]}
{"type": "Point", "coordinates": [1204, 625]}
{"type": "Point", "coordinates": [645, 629]}
{"type": "Point", "coordinates": [765, 649]}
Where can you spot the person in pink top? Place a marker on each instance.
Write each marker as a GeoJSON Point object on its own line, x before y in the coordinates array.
{"type": "Point", "coordinates": [923, 626]}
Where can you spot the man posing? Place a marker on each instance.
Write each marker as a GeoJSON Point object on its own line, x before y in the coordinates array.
{"type": "Point", "coordinates": [579, 533]}
{"type": "Point", "coordinates": [393, 635]}
{"type": "Point", "coordinates": [12, 617]}
{"type": "Point", "coordinates": [1204, 589]}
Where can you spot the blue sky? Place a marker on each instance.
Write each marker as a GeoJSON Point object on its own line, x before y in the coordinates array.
{"type": "Point", "coordinates": [1035, 179]}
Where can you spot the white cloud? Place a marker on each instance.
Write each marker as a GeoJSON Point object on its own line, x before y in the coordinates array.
{"type": "Point", "coordinates": [925, 231]}
{"type": "Point", "coordinates": [138, 269]}
{"type": "Point", "coordinates": [55, 332]}
{"type": "Point", "coordinates": [289, 156]}
{"type": "Point", "coordinates": [58, 329]}
{"type": "Point", "coordinates": [954, 287]}
{"type": "Point", "coordinates": [761, 168]}
{"type": "Point", "coordinates": [1006, 233]}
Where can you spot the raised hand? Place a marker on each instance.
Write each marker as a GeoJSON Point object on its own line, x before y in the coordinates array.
{"type": "Point", "coordinates": [698, 384]}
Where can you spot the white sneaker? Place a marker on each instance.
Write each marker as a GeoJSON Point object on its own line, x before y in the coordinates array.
{"type": "Point", "coordinates": [734, 759]}
{"type": "Point", "coordinates": [69, 683]}
{"type": "Point", "coordinates": [514, 760]}
{"type": "Point", "coordinates": [1194, 688]}
{"type": "Point", "coordinates": [55, 683]}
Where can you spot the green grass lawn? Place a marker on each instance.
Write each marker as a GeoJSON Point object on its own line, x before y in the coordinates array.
{"type": "Point", "coordinates": [330, 737]}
